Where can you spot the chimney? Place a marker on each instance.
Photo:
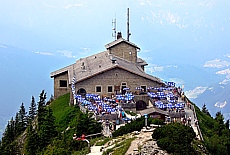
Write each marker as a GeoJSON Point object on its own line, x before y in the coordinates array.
{"type": "Point", "coordinates": [119, 35]}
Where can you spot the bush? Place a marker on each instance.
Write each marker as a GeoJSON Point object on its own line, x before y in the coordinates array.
{"type": "Point", "coordinates": [175, 138]}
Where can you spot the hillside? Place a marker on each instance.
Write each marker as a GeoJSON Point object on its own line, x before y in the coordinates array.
{"type": "Point", "coordinates": [69, 120]}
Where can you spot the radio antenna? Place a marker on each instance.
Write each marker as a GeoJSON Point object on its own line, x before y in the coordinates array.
{"type": "Point", "coordinates": [128, 33]}
{"type": "Point", "coordinates": [114, 34]}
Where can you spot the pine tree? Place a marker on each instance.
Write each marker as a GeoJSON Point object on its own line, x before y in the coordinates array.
{"type": "Point", "coordinates": [227, 124]}
{"type": "Point", "coordinates": [31, 143]}
{"type": "Point", "coordinates": [32, 110]}
{"type": "Point", "coordinates": [8, 138]}
{"type": "Point", "coordinates": [205, 110]}
{"type": "Point", "coordinates": [16, 124]}
{"type": "Point", "coordinates": [22, 118]}
{"type": "Point", "coordinates": [219, 118]}
{"type": "Point", "coordinates": [46, 129]}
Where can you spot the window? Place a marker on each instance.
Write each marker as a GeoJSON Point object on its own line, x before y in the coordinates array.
{"type": "Point", "coordinates": [98, 89]}
{"type": "Point", "coordinates": [110, 89]}
{"type": "Point", "coordinates": [144, 88]}
{"type": "Point", "coordinates": [63, 83]}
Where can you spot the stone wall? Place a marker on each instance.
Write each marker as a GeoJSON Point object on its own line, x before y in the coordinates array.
{"type": "Point", "coordinates": [125, 51]}
{"type": "Point", "coordinates": [114, 77]}
{"type": "Point", "coordinates": [58, 91]}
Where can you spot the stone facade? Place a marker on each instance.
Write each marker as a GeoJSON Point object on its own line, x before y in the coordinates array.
{"type": "Point", "coordinates": [124, 51]}
{"type": "Point", "coordinates": [114, 77]}
{"type": "Point", "coordinates": [59, 85]}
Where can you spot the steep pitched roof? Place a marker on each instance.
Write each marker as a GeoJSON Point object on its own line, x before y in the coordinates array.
{"type": "Point", "coordinates": [118, 41]}
{"type": "Point", "coordinates": [93, 65]}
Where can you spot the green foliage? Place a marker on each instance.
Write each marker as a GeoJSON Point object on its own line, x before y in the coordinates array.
{"type": "Point", "coordinates": [31, 143]}
{"type": "Point", "coordinates": [136, 125]}
{"type": "Point", "coordinates": [63, 112]}
{"type": "Point", "coordinates": [123, 146]}
{"type": "Point", "coordinates": [22, 119]}
{"type": "Point", "coordinates": [216, 134]}
{"type": "Point", "coordinates": [175, 138]}
{"type": "Point", "coordinates": [102, 142]}
{"type": "Point", "coordinates": [205, 110]}
{"type": "Point", "coordinates": [32, 110]}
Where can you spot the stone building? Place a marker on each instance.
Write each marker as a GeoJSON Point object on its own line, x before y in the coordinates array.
{"type": "Point", "coordinates": [106, 73]}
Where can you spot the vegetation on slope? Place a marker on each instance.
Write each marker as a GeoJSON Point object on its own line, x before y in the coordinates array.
{"type": "Point", "coordinates": [51, 131]}
{"type": "Point", "coordinates": [175, 138]}
{"type": "Point", "coordinates": [136, 125]}
{"type": "Point", "coordinates": [216, 133]}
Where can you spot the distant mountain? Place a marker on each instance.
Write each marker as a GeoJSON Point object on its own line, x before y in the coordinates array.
{"type": "Point", "coordinates": [217, 98]}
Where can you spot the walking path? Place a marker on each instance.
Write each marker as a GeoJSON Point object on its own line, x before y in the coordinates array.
{"type": "Point", "coordinates": [144, 141]}
{"type": "Point", "coordinates": [189, 112]}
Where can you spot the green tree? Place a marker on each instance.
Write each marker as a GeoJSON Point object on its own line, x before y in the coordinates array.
{"type": "Point", "coordinates": [227, 124]}
{"type": "Point", "coordinates": [31, 143]}
{"type": "Point", "coordinates": [22, 119]}
{"type": "Point", "coordinates": [219, 117]}
{"type": "Point", "coordinates": [175, 138]}
{"type": "Point", "coordinates": [46, 128]}
{"type": "Point", "coordinates": [205, 110]}
{"type": "Point", "coordinates": [16, 124]}
{"type": "Point", "coordinates": [86, 124]}
{"type": "Point", "coordinates": [8, 137]}
{"type": "Point", "coordinates": [32, 110]}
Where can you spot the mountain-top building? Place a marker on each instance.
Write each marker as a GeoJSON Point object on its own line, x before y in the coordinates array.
{"type": "Point", "coordinates": [106, 73]}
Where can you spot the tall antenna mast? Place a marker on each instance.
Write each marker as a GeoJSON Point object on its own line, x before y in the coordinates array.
{"type": "Point", "coordinates": [114, 34]}
{"type": "Point", "coordinates": [128, 33]}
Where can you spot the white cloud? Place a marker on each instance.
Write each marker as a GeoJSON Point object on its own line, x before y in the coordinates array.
{"type": "Point", "coordinates": [195, 92]}
{"type": "Point", "coordinates": [227, 55]}
{"type": "Point", "coordinates": [50, 6]}
{"type": "Point", "coordinates": [65, 53]}
{"type": "Point", "coordinates": [224, 82]}
{"type": "Point", "coordinates": [216, 63]}
{"type": "Point", "coordinates": [220, 104]}
{"type": "Point", "coordinates": [142, 2]}
{"type": "Point", "coordinates": [72, 5]}
{"type": "Point", "coordinates": [3, 46]}
{"type": "Point", "coordinates": [154, 68]}
{"type": "Point", "coordinates": [44, 53]}
{"type": "Point", "coordinates": [178, 81]}
{"type": "Point", "coordinates": [87, 50]}
{"type": "Point", "coordinates": [224, 72]}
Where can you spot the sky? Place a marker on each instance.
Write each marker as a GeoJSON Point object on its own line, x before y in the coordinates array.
{"type": "Point", "coordinates": [175, 36]}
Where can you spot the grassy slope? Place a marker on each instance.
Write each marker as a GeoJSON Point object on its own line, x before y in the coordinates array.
{"type": "Point", "coordinates": [62, 112]}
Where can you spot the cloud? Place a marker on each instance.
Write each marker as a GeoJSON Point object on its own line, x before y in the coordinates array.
{"type": "Point", "coordinates": [72, 5]}
{"type": "Point", "coordinates": [44, 53]}
{"type": "Point", "coordinates": [195, 92]}
{"type": "Point", "coordinates": [227, 55]}
{"type": "Point", "coordinates": [3, 46]}
{"type": "Point", "coordinates": [220, 104]}
{"type": "Point", "coordinates": [50, 6]}
{"type": "Point", "coordinates": [154, 68]}
{"type": "Point", "coordinates": [216, 63]}
{"type": "Point", "coordinates": [142, 2]}
{"type": "Point", "coordinates": [65, 53]}
{"type": "Point", "coordinates": [224, 82]}
{"type": "Point", "coordinates": [87, 50]}
{"type": "Point", "coordinates": [224, 72]}
{"type": "Point", "coordinates": [178, 81]}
